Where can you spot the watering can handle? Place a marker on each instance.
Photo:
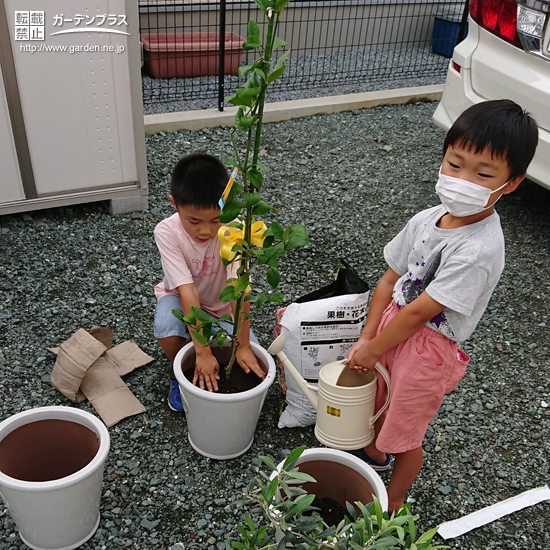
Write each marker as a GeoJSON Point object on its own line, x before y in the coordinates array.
{"type": "Point", "coordinates": [386, 376]}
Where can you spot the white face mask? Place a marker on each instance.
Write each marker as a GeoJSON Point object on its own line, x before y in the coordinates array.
{"type": "Point", "coordinates": [463, 198]}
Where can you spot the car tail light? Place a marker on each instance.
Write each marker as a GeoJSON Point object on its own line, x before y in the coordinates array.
{"type": "Point", "coordinates": [531, 22]}
{"type": "Point", "coordinates": [518, 22]}
{"type": "Point", "coordinates": [499, 17]}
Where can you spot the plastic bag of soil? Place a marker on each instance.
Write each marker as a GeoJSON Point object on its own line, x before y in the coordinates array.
{"type": "Point", "coordinates": [319, 328]}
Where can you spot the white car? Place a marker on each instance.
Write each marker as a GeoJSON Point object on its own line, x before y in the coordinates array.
{"type": "Point", "coordinates": [505, 55]}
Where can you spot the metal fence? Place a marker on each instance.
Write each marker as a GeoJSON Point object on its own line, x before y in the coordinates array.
{"type": "Point", "coordinates": [337, 46]}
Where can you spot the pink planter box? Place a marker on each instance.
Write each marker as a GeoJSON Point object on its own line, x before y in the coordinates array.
{"type": "Point", "coordinates": [189, 54]}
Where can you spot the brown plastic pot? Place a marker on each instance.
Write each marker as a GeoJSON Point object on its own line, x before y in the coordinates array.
{"type": "Point", "coordinates": [190, 54]}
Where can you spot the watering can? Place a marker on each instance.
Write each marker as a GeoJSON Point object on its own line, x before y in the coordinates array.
{"type": "Point", "coordinates": [344, 401]}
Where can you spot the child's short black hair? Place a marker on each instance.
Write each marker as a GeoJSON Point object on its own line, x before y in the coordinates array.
{"type": "Point", "coordinates": [198, 179]}
{"type": "Point", "coordinates": [502, 127]}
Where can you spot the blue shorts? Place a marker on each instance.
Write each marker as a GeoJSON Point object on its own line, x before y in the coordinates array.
{"type": "Point", "coordinates": [166, 324]}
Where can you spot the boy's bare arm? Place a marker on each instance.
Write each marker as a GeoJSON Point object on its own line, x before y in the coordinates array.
{"type": "Point", "coordinates": [380, 299]}
{"type": "Point", "coordinates": [246, 359]}
{"type": "Point", "coordinates": [408, 321]}
{"type": "Point", "coordinates": [206, 366]}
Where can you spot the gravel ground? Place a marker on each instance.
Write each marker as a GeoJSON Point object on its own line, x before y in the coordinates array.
{"type": "Point", "coordinates": [353, 179]}
{"type": "Point", "coordinates": [353, 71]}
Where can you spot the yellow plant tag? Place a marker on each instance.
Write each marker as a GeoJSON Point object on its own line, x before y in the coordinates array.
{"type": "Point", "coordinates": [228, 187]}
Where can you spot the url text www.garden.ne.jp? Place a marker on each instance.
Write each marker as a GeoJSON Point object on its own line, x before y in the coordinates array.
{"type": "Point", "coordinates": [33, 48]}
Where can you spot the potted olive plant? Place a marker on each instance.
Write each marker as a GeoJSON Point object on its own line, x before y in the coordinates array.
{"type": "Point", "coordinates": [215, 429]}
{"type": "Point", "coordinates": [294, 516]}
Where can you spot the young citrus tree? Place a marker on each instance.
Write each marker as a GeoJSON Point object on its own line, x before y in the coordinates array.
{"type": "Point", "coordinates": [246, 240]}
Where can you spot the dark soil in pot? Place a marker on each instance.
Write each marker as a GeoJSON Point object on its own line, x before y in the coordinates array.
{"type": "Point", "coordinates": [238, 382]}
{"type": "Point", "coordinates": [330, 510]}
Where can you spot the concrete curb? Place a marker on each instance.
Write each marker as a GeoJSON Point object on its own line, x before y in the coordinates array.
{"type": "Point", "coordinates": [286, 110]}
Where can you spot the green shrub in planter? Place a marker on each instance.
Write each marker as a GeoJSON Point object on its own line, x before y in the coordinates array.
{"type": "Point", "coordinates": [290, 520]}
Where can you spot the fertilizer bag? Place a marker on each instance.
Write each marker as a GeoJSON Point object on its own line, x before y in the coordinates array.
{"type": "Point", "coordinates": [319, 328]}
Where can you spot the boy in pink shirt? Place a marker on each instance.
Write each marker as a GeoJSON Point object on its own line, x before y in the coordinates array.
{"type": "Point", "coordinates": [194, 274]}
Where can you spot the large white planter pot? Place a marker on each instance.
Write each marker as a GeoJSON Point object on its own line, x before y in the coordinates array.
{"type": "Point", "coordinates": [221, 426]}
{"type": "Point", "coordinates": [51, 474]}
{"type": "Point", "coordinates": [341, 477]}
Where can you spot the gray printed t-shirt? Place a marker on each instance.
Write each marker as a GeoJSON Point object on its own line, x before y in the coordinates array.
{"type": "Point", "coordinates": [458, 268]}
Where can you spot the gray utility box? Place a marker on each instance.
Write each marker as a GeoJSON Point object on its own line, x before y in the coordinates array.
{"type": "Point", "coordinates": [71, 112]}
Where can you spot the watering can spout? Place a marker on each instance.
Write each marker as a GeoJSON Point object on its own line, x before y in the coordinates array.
{"type": "Point", "coordinates": [276, 348]}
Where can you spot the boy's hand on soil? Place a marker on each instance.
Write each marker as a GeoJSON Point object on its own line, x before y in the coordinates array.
{"type": "Point", "coordinates": [248, 362]}
{"type": "Point", "coordinates": [207, 372]}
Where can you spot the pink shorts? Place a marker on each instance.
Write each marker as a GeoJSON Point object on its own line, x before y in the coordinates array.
{"type": "Point", "coordinates": [422, 369]}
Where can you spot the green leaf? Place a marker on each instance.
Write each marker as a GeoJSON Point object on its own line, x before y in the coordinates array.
{"type": "Point", "coordinates": [255, 177]}
{"type": "Point", "coordinates": [275, 74]}
{"type": "Point", "coordinates": [278, 43]}
{"type": "Point", "coordinates": [252, 81]}
{"type": "Point", "coordinates": [298, 236]}
{"type": "Point", "coordinates": [263, 5]}
{"type": "Point", "coordinates": [226, 317]}
{"type": "Point", "coordinates": [249, 522]}
{"type": "Point", "coordinates": [260, 299]}
{"type": "Point", "coordinates": [261, 208]}
{"type": "Point", "coordinates": [271, 488]}
{"type": "Point", "coordinates": [273, 277]}
{"type": "Point", "coordinates": [245, 96]}
{"type": "Point", "coordinates": [199, 337]}
{"type": "Point", "coordinates": [190, 319]}
{"type": "Point", "coordinates": [292, 458]}
{"type": "Point", "coordinates": [241, 285]}
{"type": "Point", "coordinates": [244, 70]}
{"type": "Point", "coordinates": [247, 45]}
{"type": "Point", "coordinates": [351, 510]}
{"type": "Point", "coordinates": [236, 189]}
{"type": "Point", "coordinates": [178, 315]}
{"type": "Point", "coordinates": [428, 536]}
{"type": "Point", "coordinates": [221, 338]}
{"type": "Point", "coordinates": [276, 229]}
{"type": "Point", "coordinates": [378, 511]}
{"type": "Point", "coordinates": [240, 125]}
{"type": "Point", "coordinates": [231, 210]}
{"type": "Point", "coordinates": [243, 122]}
{"type": "Point", "coordinates": [262, 167]}
{"type": "Point", "coordinates": [299, 506]}
{"type": "Point", "coordinates": [281, 60]}
{"type": "Point", "coordinates": [268, 462]}
{"type": "Point", "coordinates": [251, 199]}
{"type": "Point", "coordinates": [253, 29]}
{"type": "Point", "coordinates": [302, 477]}
{"type": "Point", "coordinates": [231, 162]}
{"type": "Point", "coordinates": [227, 294]}
{"type": "Point", "coordinates": [276, 297]}
{"type": "Point", "coordinates": [280, 5]}
{"type": "Point", "coordinates": [203, 316]}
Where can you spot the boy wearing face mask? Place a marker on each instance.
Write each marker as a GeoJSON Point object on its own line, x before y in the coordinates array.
{"type": "Point", "coordinates": [443, 268]}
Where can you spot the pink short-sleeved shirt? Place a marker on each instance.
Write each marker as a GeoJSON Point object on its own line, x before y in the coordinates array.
{"type": "Point", "coordinates": [186, 261]}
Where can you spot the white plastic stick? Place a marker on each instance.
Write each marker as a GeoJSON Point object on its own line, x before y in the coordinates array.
{"type": "Point", "coordinates": [457, 527]}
